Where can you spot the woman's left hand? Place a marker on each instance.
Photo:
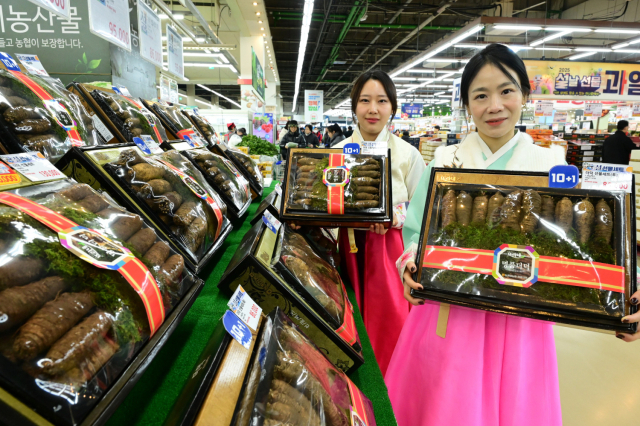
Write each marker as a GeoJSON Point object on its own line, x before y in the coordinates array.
{"type": "Point", "coordinates": [634, 300]}
{"type": "Point", "coordinates": [379, 229]}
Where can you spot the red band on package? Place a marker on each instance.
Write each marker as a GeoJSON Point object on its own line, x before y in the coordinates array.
{"type": "Point", "coordinates": [56, 109]}
{"type": "Point", "coordinates": [555, 270]}
{"type": "Point", "coordinates": [241, 179]}
{"type": "Point", "coordinates": [359, 415]}
{"type": "Point", "coordinates": [335, 177]}
{"type": "Point", "coordinates": [200, 192]}
{"type": "Point", "coordinates": [82, 241]}
{"type": "Point", "coordinates": [347, 330]}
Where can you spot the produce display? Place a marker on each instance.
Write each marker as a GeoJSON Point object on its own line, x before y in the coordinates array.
{"type": "Point", "coordinates": [348, 186]}
{"type": "Point", "coordinates": [222, 176]}
{"type": "Point", "coordinates": [39, 114]}
{"type": "Point", "coordinates": [178, 202]}
{"type": "Point", "coordinates": [69, 328]}
{"type": "Point", "coordinates": [558, 250]}
{"type": "Point", "coordinates": [131, 118]}
{"type": "Point", "coordinates": [204, 127]}
{"type": "Point", "coordinates": [248, 164]}
{"type": "Point", "coordinates": [315, 275]}
{"type": "Point", "coordinates": [291, 382]}
{"type": "Point", "coordinates": [259, 146]}
{"type": "Point", "coordinates": [175, 121]}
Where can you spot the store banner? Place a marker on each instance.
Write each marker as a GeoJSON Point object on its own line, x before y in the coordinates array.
{"type": "Point", "coordinates": [455, 94]}
{"type": "Point", "coordinates": [109, 19]}
{"type": "Point", "coordinates": [257, 75]}
{"type": "Point", "coordinates": [150, 34]}
{"type": "Point", "coordinates": [165, 87]}
{"type": "Point", "coordinates": [635, 111]}
{"type": "Point", "coordinates": [411, 110]}
{"type": "Point", "coordinates": [583, 80]}
{"type": "Point", "coordinates": [543, 109]}
{"type": "Point", "coordinates": [61, 8]}
{"type": "Point", "coordinates": [313, 105]}
{"type": "Point", "coordinates": [593, 110]}
{"type": "Point", "coordinates": [560, 117]}
{"type": "Point", "coordinates": [174, 53]}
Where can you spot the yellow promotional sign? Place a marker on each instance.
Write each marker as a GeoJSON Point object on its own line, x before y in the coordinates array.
{"type": "Point", "coordinates": [592, 81]}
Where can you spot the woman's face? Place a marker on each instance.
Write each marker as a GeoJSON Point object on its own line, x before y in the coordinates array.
{"type": "Point", "coordinates": [373, 109]}
{"type": "Point", "coordinates": [495, 102]}
{"type": "Point", "coordinates": [330, 133]}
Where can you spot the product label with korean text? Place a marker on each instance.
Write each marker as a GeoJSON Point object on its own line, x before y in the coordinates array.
{"type": "Point", "coordinates": [237, 329]}
{"type": "Point", "coordinates": [611, 177]}
{"type": "Point", "coordinates": [33, 166]}
{"type": "Point", "coordinates": [245, 308]}
{"type": "Point", "coordinates": [32, 64]}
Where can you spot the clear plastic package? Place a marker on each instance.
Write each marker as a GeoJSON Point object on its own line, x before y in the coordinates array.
{"type": "Point", "coordinates": [84, 285]}
{"type": "Point", "coordinates": [203, 125]}
{"type": "Point", "coordinates": [176, 123]}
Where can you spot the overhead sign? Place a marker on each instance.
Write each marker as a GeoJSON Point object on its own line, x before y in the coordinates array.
{"type": "Point", "coordinates": [455, 94]}
{"type": "Point", "coordinates": [411, 110]}
{"type": "Point", "coordinates": [59, 7]}
{"type": "Point", "coordinates": [313, 100]}
{"type": "Point", "coordinates": [174, 53]}
{"type": "Point", "coordinates": [543, 109]}
{"type": "Point", "coordinates": [583, 80]}
{"type": "Point", "coordinates": [150, 34]}
{"type": "Point", "coordinates": [109, 19]}
{"type": "Point", "coordinates": [257, 75]}
{"type": "Point", "coordinates": [173, 92]}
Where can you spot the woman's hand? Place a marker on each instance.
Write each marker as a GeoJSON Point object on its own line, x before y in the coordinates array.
{"type": "Point", "coordinates": [409, 284]}
{"type": "Point", "coordinates": [379, 229]}
{"type": "Point", "coordinates": [635, 299]}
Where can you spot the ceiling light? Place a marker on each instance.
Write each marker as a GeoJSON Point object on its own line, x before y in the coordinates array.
{"type": "Point", "coordinates": [255, 3]}
{"type": "Point", "coordinates": [614, 31]}
{"type": "Point", "coordinates": [439, 93]}
{"type": "Point", "coordinates": [216, 93]}
{"type": "Point", "coordinates": [447, 61]}
{"type": "Point", "coordinates": [264, 35]}
{"type": "Point", "coordinates": [625, 44]}
{"type": "Point", "coordinates": [551, 37]}
{"type": "Point", "coordinates": [304, 37]}
{"type": "Point", "coordinates": [163, 16]}
{"type": "Point", "coordinates": [262, 29]}
{"type": "Point", "coordinates": [178, 16]}
{"type": "Point", "coordinates": [403, 79]}
{"type": "Point", "coordinates": [591, 49]}
{"type": "Point", "coordinates": [257, 13]}
{"type": "Point", "coordinates": [517, 27]}
{"type": "Point", "coordinates": [559, 49]}
{"type": "Point", "coordinates": [627, 51]}
{"type": "Point", "coordinates": [259, 22]}
{"type": "Point", "coordinates": [203, 102]}
{"type": "Point", "coordinates": [265, 42]}
{"type": "Point", "coordinates": [582, 55]}
{"type": "Point", "coordinates": [470, 46]}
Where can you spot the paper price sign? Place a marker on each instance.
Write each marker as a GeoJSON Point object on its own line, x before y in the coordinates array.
{"type": "Point", "coordinates": [32, 64]}
{"type": "Point", "coordinates": [175, 57]}
{"type": "Point", "coordinates": [544, 109]}
{"type": "Point", "coordinates": [245, 308]}
{"type": "Point", "coordinates": [374, 148]}
{"type": "Point", "coordinates": [635, 111]}
{"type": "Point", "coordinates": [612, 177]}
{"type": "Point", "coordinates": [59, 7]}
{"type": "Point", "coordinates": [560, 117]}
{"type": "Point", "coordinates": [109, 19]}
{"type": "Point", "coordinates": [150, 33]}
{"type": "Point", "coordinates": [272, 223]}
{"type": "Point", "coordinates": [593, 110]}
{"type": "Point", "coordinates": [33, 166]}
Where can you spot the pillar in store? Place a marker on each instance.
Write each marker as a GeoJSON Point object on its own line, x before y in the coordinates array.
{"type": "Point", "coordinates": [191, 94]}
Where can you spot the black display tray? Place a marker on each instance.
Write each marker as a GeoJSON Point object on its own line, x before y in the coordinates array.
{"type": "Point", "coordinates": [256, 186]}
{"type": "Point", "coordinates": [270, 204]}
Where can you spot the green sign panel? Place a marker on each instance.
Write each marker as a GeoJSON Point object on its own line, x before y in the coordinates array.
{"type": "Point", "coordinates": [257, 75]}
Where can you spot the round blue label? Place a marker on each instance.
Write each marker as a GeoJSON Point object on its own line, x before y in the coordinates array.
{"type": "Point", "coordinates": [237, 329]}
{"type": "Point", "coordinates": [142, 145]}
{"type": "Point", "coordinates": [351, 148]}
{"type": "Point", "coordinates": [564, 176]}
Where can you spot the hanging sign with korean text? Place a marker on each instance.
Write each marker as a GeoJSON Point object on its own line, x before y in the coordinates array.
{"type": "Point", "coordinates": [59, 7]}
{"type": "Point", "coordinates": [150, 34]}
{"type": "Point", "coordinates": [174, 53]}
{"type": "Point", "coordinates": [109, 19]}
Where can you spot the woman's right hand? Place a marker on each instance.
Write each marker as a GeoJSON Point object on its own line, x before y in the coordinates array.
{"type": "Point", "coordinates": [409, 283]}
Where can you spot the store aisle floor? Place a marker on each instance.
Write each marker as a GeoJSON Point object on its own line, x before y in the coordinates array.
{"type": "Point", "coordinates": [599, 378]}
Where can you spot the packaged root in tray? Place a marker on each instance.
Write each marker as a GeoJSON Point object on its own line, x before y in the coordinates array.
{"type": "Point", "coordinates": [177, 124]}
{"type": "Point", "coordinates": [185, 210]}
{"type": "Point", "coordinates": [84, 284]}
{"type": "Point", "coordinates": [131, 119]}
{"type": "Point", "coordinates": [223, 177]}
{"type": "Point", "coordinates": [565, 255]}
{"type": "Point", "coordinates": [291, 382]}
{"type": "Point", "coordinates": [316, 276]}
{"type": "Point", "coordinates": [322, 183]}
{"type": "Point", "coordinates": [39, 114]}
{"type": "Point", "coordinates": [248, 164]}
{"type": "Point", "coordinates": [203, 125]}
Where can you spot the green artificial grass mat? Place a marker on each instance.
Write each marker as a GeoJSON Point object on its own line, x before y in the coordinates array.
{"type": "Point", "coordinates": [151, 399]}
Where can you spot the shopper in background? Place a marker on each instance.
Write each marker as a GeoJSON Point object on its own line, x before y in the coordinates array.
{"type": "Point", "coordinates": [241, 132]}
{"type": "Point", "coordinates": [335, 135]}
{"type": "Point", "coordinates": [284, 131]}
{"type": "Point", "coordinates": [617, 147]}
{"type": "Point", "coordinates": [372, 270]}
{"type": "Point", "coordinates": [318, 134]}
{"type": "Point", "coordinates": [498, 358]}
{"type": "Point", "coordinates": [236, 138]}
{"type": "Point", "coordinates": [397, 133]}
{"type": "Point", "coordinates": [310, 138]}
{"type": "Point", "coordinates": [292, 139]}
{"type": "Point", "coordinates": [231, 127]}
{"type": "Point", "coordinates": [436, 128]}
{"type": "Point", "coordinates": [349, 132]}
{"type": "Point", "coordinates": [405, 136]}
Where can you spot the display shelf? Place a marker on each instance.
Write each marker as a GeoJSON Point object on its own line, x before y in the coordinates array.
{"type": "Point", "coordinates": [151, 400]}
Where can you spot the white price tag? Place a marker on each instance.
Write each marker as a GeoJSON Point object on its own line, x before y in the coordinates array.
{"type": "Point", "coordinates": [593, 110]}
{"type": "Point", "coordinates": [61, 8]}
{"type": "Point", "coordinates": [33, 166]}
{"type": "Point", "coordinates": [560, 117]}
{"type": "Point", "coordinates": [32, 64]}
{"type": "Point", "coordinates": [272, 223]}
{"type": "Point", "coordinates": [635, 111]}
{"type": "Point", "coordinates": [109, 19]}
{"type": "Point", "coordinates": [245, 308]}
{"type": "Point", "coordinates": [175, 58]}
{"type": "Point", "coordinates": [613, 177]}
{"type": "Point", "coordinates": [150, 34]}
{"type": "Point", "coordinates": [101, 128]}
{"type": "Point", "coordinates": [544, 109]}
{"type": "Point", "coordinates": [374, 148]}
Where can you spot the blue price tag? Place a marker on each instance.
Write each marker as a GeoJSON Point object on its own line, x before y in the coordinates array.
{"type": "Point", "coordinates": [351, 148]}
{"type": "Point", "coordinates": [237, 329]}
{"type": "Point", "coordinates": [564, 176]}
{"type": "Point", "coordinates": [142, 145]}
{"type": "Point", "coordinates": [9, 62]}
